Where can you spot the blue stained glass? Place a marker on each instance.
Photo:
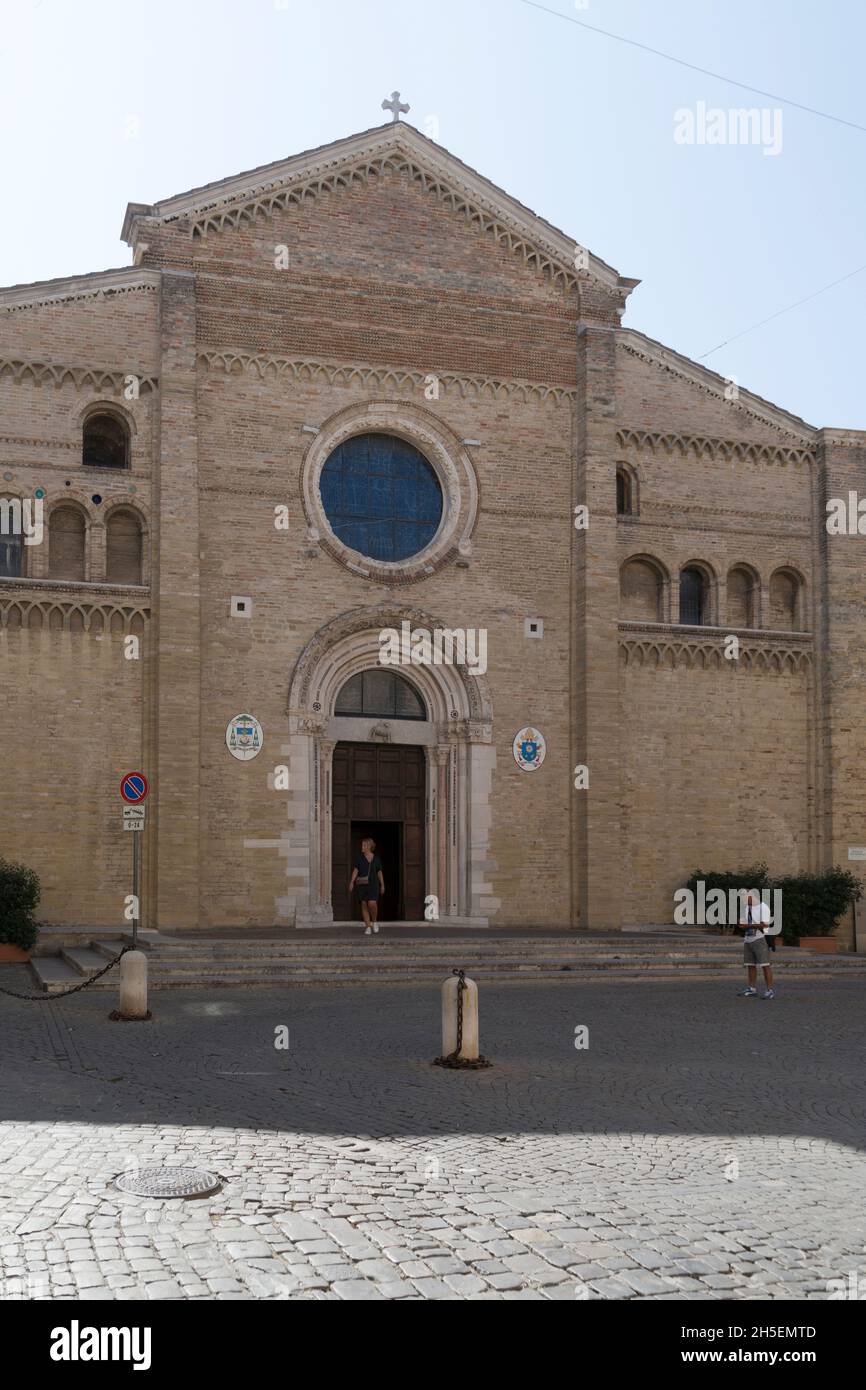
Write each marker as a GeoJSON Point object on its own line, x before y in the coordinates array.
{"type": "Point", "coordinates": [381, 497]}
{"type": "Point", "coordinates": [353, 493]}
{"type": "Point", "coordinates": [354, 534]}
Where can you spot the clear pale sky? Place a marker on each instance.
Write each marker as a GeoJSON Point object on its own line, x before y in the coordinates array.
{"type": "Point", "coordinates": [103, 103]}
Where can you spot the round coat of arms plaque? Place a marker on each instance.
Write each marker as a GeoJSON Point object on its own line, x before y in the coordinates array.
{"type": "Point", "coordinates": [244, 737]}
{"type": "Point", "coordinates": [530, 749]}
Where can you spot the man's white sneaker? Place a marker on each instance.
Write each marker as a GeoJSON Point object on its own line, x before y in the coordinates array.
{"type": "Point", "coordinates": [369, 931]}
{"type": "Point", "coordinates": [376, 930]}
{"type": "Point", "coordinates": [748, 993]}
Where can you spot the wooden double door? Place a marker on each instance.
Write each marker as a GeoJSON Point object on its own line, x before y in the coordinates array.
{"type": "Point", "coordinates": [378, 791]}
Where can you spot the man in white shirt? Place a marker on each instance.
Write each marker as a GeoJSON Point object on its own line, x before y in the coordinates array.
{"type": "Point", "coordinates": [755, 916]}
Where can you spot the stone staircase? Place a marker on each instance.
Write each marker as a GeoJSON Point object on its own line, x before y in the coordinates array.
{"type": "Point", "coordinates": [320, 958]}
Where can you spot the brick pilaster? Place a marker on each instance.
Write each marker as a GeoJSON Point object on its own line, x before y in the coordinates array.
{"type": "Point", "coordinates": [176, 600]}
{"type": "Point", "coordinates": [840, 609]}
{"type": "Point", "coordinates": [597, 864]}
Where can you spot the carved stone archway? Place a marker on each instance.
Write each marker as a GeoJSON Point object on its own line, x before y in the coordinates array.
{"type": "Point", "coordinates": [456, 737]}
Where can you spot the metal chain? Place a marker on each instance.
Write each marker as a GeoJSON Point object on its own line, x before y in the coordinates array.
{"type": "Point", "coordinates": [62, 994]}
{"type": "Point", "coordinates": [461, 985]}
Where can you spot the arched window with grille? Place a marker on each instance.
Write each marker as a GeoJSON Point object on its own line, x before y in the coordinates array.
{"type": "Point", "coordinates": [123, 548]}
{"type": "Point", "coordinates": [379, 694]}
{"type": "Point", "coordinates": [624, 493]}
{"type": "Point", "coordinates": [66, 544]}
{"type": "Point", "coordinates": [694, 597]}
{"type": "Point", "coordinates": [11, 539]}
{"type": "Point", "coordinates": [105, 442]}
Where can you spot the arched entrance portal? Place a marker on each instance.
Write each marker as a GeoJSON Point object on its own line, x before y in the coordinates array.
{"type": "Point", "coordinates": [348, 766]}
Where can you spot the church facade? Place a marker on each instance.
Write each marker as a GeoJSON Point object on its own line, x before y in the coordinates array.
{"type": "Point", "coordinates": [363, 514]}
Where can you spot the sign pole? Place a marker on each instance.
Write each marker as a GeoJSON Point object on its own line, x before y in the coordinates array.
{"type": "Point", "coordinates": [133, 964]}
{"type": "Point", "coordinates": [135, 890]}
{"type": "Point", "coordinates": [134, 788]}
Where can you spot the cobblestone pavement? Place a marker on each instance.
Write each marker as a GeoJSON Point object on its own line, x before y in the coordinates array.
{"type": "Point", "coordinates": [704, 1146]}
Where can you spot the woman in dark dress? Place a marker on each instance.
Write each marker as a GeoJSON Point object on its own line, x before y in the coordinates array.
{"type": "Point", "coordinates": [367, 877]}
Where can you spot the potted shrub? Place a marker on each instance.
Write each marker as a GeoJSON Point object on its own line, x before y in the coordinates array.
{"type": "Point", "coordinates": [812, 905]}
{"type": "Point", "coordinates": [19, 894]}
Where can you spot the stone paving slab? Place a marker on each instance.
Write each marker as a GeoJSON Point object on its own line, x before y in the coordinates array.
{"type": "Point", "coordinates": [703, 1147]}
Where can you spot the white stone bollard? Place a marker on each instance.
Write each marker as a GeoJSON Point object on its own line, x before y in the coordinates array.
{"type": "Point", "coordinates": [133, 985]}
{"type": "Point", "coordinates": [469, 1049]}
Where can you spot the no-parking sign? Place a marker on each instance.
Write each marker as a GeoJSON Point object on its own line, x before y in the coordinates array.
{"type": "Point", "coordinates": [134, 787]}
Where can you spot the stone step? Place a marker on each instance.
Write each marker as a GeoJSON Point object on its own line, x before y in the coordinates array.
{"type": "Point", "coordinates": [72, 966]}
{"type": "Point", "coordinates": [329, 971]}
{"type": "Point", "coordinates": [431, 949]}
{"type": "Point", "coordinates": [86, 960]}
{"type": "Point", "coordinates": [414, 977]}
{"type": "Point", "coordinates": [383, 951]}
{"type": "Point", "coordinates": [420, 935]}
{"type": "Point", "coordinates": [383, 940]}
{"type": "Point", "coordinates": [440, 969]}
{"type": "Point", "coordinates": [53, 974]}
{"type": "Point", "coordinates": [326, 973]}
{"type": "Point", "coordinates": [455, 956]}
{"type": "Point", "coordinates": [384, 959]}
{"type": "Point", "coordinates": [108, 949]}
{"type": "Point", "coordinates": [466, 950]}
{"type": "Point", "coordinates": [378, 961]}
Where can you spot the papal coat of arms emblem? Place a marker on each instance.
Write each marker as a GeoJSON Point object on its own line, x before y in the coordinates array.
{"type": "Point", "coordinates": [530, 749]}
{"type": "Point", "coordinates": [244, 737]}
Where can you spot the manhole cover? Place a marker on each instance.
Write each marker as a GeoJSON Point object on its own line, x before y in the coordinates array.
{"type": "Point", "coordinates": [167, 1182]}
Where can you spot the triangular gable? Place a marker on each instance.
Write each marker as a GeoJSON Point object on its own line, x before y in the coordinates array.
{"type": "Point", "coordinates": [398, 147]}
{"type": "Point", "coordinates": [705, 379]}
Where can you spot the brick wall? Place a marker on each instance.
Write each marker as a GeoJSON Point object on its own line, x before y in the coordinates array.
{"type": "Point", "coordinates": [72, 711]}
{"type": "Point", "coordinates": [716, 775]}
{"type": "Point", "coordinates": [73, 699]}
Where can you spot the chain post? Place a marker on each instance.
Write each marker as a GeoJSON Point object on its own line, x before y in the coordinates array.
{"type": "Point", "coordinates": [454, 1061]}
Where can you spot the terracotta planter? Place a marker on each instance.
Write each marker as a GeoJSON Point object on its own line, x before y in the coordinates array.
{"type": "Point", "coordinates": [13, 955]}
{"type": "Point", "coordinates": [824, 945]}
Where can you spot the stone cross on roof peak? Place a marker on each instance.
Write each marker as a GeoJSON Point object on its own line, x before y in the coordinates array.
{"type": "Point", "coordinates": [396, 106]}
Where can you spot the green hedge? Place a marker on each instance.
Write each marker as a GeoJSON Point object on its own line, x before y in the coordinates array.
{"type": "Point", "coordinates": [19, 894]}
{"type": "Point", "coordinates": [758, 876]}
{"type": "Point", "coordinates": [812, 904]}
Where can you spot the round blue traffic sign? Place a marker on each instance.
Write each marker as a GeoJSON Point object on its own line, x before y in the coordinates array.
{"type": "Point", "coordinates": [133, 788]}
